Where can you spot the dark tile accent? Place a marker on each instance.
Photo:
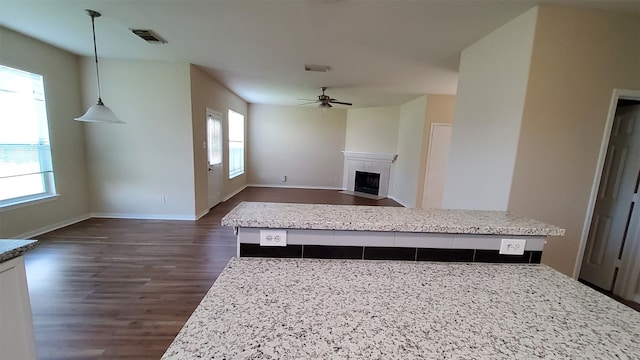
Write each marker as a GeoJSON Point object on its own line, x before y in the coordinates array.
{"type": "Point", "coordinates": [332, 252]}
{"type": "Point", "coordinates": [255, 250]}
{"type": "Point", "coordinates": [493, 256]}
{"type": "Point", "coordinates": [389, 253]}
{"type": "Point", "coordinates": [451, 255]}
{"type": "Point", "coordinates": [536, 257]}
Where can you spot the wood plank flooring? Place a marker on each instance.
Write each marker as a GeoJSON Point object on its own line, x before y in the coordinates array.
{"type": "Point", "coordinates": [122, 289]}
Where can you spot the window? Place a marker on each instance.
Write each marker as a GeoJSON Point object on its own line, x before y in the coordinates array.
{"type": "Point", "coordinates": [214, 139]}
{"type": "Point", "coordinates": [26, 172]}
{"type": "Point", "coordinates": [236, 144]}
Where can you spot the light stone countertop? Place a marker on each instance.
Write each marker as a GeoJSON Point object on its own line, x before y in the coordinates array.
{"type": "Point", "coordinates": [383, 218]}
{"type": "Point", "coordinates": [337, 309]}
{"type": "Point", "coordinates": [10, 248]}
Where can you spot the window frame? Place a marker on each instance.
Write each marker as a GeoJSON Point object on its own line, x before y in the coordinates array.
{"type": "Point", "coordinates": [233, 171]}
{"type": "Point", "coordinates": [42, 146]}
{"type": "Point", "coordinates": [214, 120]}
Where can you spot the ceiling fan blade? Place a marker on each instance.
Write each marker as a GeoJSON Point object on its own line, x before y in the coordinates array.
{"type": "Point", "coordinates": [340, 102]}
{"type": "Point", "coordinates": [310, 102]}
{"type": "Point", "coordinates": [307, 99]}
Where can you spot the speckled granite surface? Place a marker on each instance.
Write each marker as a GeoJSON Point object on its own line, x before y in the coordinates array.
{"type": "Point", "coordinates": [10, 248]}
{"type": "Point", "coordinates": [337, 309]}
{"type": "Point", "coordinates": [382, 218]}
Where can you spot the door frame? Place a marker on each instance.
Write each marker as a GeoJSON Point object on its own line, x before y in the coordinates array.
{"type": "Point", "coordinates": [627, 277]}
{"type": "Point", "coordinates": [429, 152]}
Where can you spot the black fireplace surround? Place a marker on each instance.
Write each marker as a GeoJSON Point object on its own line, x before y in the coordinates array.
{"type": "Point", "coordinates": [367, 182]}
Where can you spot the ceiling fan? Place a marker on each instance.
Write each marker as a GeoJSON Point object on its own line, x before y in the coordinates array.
{"type": "Point", "coordinates": [325, 101]}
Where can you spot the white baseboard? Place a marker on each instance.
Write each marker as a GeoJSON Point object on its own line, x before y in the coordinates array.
{"type": "Point", "coordinates": [234, 193]}
{"type": "Point", "coordinates": [145, 216]}
{"type": "Point", "coordinates": [397, 200]}
{"type": "Point", "coordinates": [52, 227]}
{"type": "Point", "coordinates": [203, 213]}
{"type": "Point", "coordinates": [297, 186]}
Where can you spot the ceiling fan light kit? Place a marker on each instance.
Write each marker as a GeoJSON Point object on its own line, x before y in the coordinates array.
{"type": "Point", "coordinates": [98, 112]}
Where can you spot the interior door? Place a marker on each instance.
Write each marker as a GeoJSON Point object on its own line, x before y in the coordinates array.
{"type": "Point", "coordinates": [436, 172]}
{"type": "Point", "coordinates": [214, 157]}
{"type": "Point", "coordinates": [617, 195]}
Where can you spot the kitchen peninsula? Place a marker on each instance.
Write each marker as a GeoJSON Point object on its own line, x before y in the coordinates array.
{"type": "Point", "coordinates": [384, 233]}
{"type": "Point", "coordinates": [358, 309]}
{"type": "Point", "coordinates": [16, 323]}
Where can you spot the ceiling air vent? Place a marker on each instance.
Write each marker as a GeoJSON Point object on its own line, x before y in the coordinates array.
{"type": "Point", "coordinates": [149, 36]}
{"type": "Point", "coordinates": [317, 68]}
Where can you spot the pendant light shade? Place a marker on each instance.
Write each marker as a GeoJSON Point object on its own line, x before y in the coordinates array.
{"type": "Point", "coordinates": [98, 112]}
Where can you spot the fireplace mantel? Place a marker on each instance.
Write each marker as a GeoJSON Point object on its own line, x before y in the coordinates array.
{"type": "Point", "coordinates": [356, 155]}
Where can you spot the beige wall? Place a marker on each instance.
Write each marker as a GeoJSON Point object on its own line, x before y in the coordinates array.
{"type": "Point", "coordinates": [296, 142]}
{"type": "Point", "coordinates": [131, 165]}
{"type": "Point", "coordinates": [206, 92]}
{"type": "Point", "coordinates": [62, 90]}
{"type": "Point", "coordinates": [405, 172]}
{"type": "Point", "coordinates": [440, 109]}
{"type": "Point", "coordinates": [579, 57]}
{"type": "Point", "coordinates": [488, 111]}
{"type": "Point", "coordinates": [373, 130]}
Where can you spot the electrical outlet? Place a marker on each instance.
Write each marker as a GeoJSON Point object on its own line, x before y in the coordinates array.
{"type": "Point", "coordinates": [512, 246]}
{"type": "Point", "coordinates": [273, 238]}
{"type": "Point", "coordinates": [284, 178]}
{"type": "Point", "coordinates": [161, 199]}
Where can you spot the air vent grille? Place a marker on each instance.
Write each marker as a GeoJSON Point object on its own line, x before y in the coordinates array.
{"type": "Point", "coordinates": [149, 36]}
{"type": "Point", "coordinates": [317, 68]}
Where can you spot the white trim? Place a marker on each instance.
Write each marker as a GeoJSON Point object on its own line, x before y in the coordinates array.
{"type": "Point", "coordinates": [297, 186]}
{"type": "Point", "coordinates": [202, 213]}
{"type": "Point", "coordinates": [356, 155]}
{"type": "Point", "coordinates": [234, 193]}
{"type": "Point", "coordinates": [52, 227]}
{"type": "Point", "coordinates": [30, 201]}
{"type": "Point", "coordinates": [397, 200]}
{"type": "Point", "coordinates": [613, 104]}
{"type": "Point", "coordinates": [145, 216]}
{"type": "Point", "coordinates": [428, 162]}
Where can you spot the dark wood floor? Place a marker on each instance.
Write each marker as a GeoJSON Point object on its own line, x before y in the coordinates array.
{"type": "Point", "coordinates": [629, 303]}
{"type": "Point", "coordinates": [122, 289]}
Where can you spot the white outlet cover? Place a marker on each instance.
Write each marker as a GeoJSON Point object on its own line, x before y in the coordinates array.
{"type": "Point", "coordinates": [512, 246]}
{"type": "Point", "coordinates": [273, 238]}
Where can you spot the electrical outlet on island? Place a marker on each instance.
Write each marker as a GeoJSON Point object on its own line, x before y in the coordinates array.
{"type": "Point", "coordinates": [512, 246]}
{"type": "Point", "coordinates": [273, 238]}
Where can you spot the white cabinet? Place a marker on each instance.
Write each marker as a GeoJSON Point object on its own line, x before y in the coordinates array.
{"type": "Point", "coordinates": [16, 323]}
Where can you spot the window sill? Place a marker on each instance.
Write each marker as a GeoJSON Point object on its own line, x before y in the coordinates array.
{"type": "Point", "coordinates": [29, 202]}
{"type": "Point", "coordinates": [235, 175]}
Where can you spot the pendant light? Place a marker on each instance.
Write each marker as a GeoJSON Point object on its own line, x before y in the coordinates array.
{"type": "Point", "coordinates": [98, 112]}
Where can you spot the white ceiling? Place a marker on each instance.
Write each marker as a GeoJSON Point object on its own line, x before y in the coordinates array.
{"type": "Point", "coordinates": [382, 52]}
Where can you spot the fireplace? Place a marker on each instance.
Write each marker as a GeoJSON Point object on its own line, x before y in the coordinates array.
{"type": "Point", "coordinates": [367, 182]}
{"type": "Point", "coordinates": [368, 163]}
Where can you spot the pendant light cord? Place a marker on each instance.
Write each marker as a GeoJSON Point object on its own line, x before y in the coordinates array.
{"type": "Point", "coordinates": [95, 53]}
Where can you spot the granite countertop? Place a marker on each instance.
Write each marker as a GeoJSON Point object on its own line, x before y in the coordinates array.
{"type": "Point", "coordinates": [336, 309]}
{"type": "Point", "coordinates": [383, 218]}
{"type": "Point", "coordinates": [10, 248]}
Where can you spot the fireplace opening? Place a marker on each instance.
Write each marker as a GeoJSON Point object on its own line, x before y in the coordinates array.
{"type": "Point", "coordinates": [367, 182]}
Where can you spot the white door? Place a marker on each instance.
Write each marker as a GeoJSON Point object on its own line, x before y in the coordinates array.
{"type": "Point", "coordinates": [615, 202]}
{"type": "Point", "coordinates": [214, 156]}
{"type": "Point", "coordinates": [437, 158]}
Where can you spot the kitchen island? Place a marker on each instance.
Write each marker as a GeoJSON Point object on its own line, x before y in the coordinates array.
{"type": "Point", "coordinates": [335, 309]}
{"type": "Point", "coordinates": [384, 233]}
{"type": "Point", "coordinates": [16, 323]}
